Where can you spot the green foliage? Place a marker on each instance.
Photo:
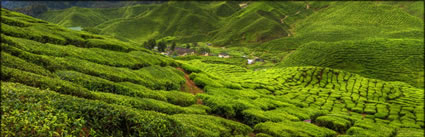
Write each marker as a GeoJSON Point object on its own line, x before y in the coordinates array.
{"type": "Point", "coordinates": [211, 126]}
{"type": "Point", "coordinates": [173, 46]}
{"type": "Point", "coordinates": [162, 46]}
{"type": "Point", "coordinates": [147, 104]}
{"type": "Point", "coordinates": [84, 84]}
{"type": "Point", "coordinates": [221, 22]}
{"type": "Point", "coordinates": [67, 115]}
{"type": "Point", "coordinates": [150, 44]}
{"type": "Point", "coordinates": [397, 63]}
{"type": "Point", "coordinates": [288, 128]}
{"type": "Point", "coordinates": [331, 98]}
{"type": "Point", "coordinates": [189, 68]}
{"type": "Point", "coordinates": [43, 82]}
{"type": "Point", "coordinates": [334, 123]}
{"type": "Point", "coordinates": [254, 116]}
{"type": "Point", "coordinates": [91, 30]}
{"type": "Point", "coordinates": [10, 61]}
{"type": "Point", "coordinates": [367, 128]}
{"type": "Point", "coordinates": [411, 132]}
{"type": "Point", "coordinates": [88, 86]}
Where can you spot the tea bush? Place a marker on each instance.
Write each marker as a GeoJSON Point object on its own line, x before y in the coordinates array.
{"type": "Point", "coordinates": [211, 126]}
{"type": "Point", "coordinates": [70, 115]}
{"type": "Point", "coordinates": [288, 128]}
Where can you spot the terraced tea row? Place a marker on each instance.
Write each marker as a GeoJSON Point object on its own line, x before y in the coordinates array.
{"type": "Point", "coordinates": [54, 87]}
{"type": "Point", "coordinates": [386, 59]}
{"type": "Point", "coordinates": [316, 94]}
{"type": "Point", "coordinates": [58, 82]}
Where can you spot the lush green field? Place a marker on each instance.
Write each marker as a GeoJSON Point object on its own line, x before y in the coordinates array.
{"type": "Point", "coordinates": [387, 59]}
{"type": "Point", "coordinates": [223, 23]}
{"type": "Point", "coordinates": [346, 69]}
{"type": "Point", "coordinates": [282, 98]}
{"type": "Point", "coordinates": [273, 30]}
{"type": "Point", "coordinates": [59, 82]}
{"type": "Point", "coordinates": [374, 39]}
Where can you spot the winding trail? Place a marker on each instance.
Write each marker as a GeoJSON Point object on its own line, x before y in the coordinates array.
{"type": "Point", "coordinates": [190, 86]}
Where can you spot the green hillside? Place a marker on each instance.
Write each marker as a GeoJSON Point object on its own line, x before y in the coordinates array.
{"type": "Point", "coordinates": [279, 25]}
{"type": "Point", "coordinates": [223, 23]}
{"type": "Point", "coordinates": [59, 82]}
{"type": "Point", "coordinates": [322, 69]}
{"type": "Point", "coordinates": [90, 17]}
{"type": "Point", "coordinates": [276, 101]}
{"type": "Point", "coordinates": [387, 59]}
{"type": "Point", "coordinates": [353, 21]}
{"type": "Point", "coordinates": [387, 45]}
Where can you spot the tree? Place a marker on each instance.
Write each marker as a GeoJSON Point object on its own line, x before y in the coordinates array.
{"type": "Point", "coordinates": [204, 49]}
{"type": "Point", "coordinates": [173, 46]}
{"type": "Point", "coordinates": [145, 44]}
{"type": "Point", "coordinates": [194, 44]}
{"type": "Point", "coordinates": [188, 46]}
{"type": "Point", "coordinates": [161, 46]}
{"type": "Point", "coordinates": [150, 44]}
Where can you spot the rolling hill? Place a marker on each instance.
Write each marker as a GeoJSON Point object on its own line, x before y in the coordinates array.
{"type": "Point", "coordinates": [353, 21]}
{"type": "Point", "coordinates": [345, 71]}
{"type": "Point", "coordinates": [223, 23]}
{"type": "Point", "coordinates": [387, 45]}
{"type": "Point", "coordinates": [60, 82]}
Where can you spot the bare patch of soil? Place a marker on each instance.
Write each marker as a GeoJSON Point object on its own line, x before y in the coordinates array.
{"type": "Point", "coordinates": [190, 86]}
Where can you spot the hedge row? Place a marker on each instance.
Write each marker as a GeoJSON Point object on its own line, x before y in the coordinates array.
{"type": "Point", "coordinates": [64, 115]}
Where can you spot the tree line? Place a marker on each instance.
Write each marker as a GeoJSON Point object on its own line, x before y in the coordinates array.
{"type": "Point", "coordinates": [162, 46]}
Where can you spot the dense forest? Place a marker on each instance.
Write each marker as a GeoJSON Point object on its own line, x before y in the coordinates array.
{"type": "Point", "coordinates": [213, 68]}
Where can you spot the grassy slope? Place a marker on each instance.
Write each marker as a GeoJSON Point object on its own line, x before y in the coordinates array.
{"type": "Point", "coordinates": [58, 82]}
{"type": "Point", "coordinates": [89, 17]}
{"type": "Point", "coordinates": [352, 21]}
{"type": "Point", "coordinates": [259, 22]}
{"type": "Point", "coordinates": [187, 20]}
{"type": "Point", "coordinates": [387, 59]}
{"type": "Point", "coordinates": [223, 23]}
{"type": "Point", "coordinates": [368, 38]}
{"type": "Point", "coordinates": [275, 101]}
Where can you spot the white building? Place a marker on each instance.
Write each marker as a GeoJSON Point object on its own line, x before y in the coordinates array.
{"type": "Point", "coordinates": [250, 61]}
{"type": "Point", "coordinates": [223, 55]}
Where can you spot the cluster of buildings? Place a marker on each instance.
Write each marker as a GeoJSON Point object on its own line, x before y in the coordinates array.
{"type": "Point", "coordinates": [178, 51]}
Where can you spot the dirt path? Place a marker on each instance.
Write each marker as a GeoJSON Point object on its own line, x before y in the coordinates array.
{"type": "Point", "coordinates": [283, 19]}
{"type": "Point", "coordinates": [190, 86]}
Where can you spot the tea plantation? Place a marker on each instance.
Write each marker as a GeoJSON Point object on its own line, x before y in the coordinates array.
{"type": "Point", "coordinates": [61, 82]}
{"type": "Point", "coordinates": [283, 101]}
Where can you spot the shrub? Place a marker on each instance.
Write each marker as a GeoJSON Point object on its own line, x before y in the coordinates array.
{"type": "Point", "coordinates": [255, 116]}
{"type": "Point", "coordinates": [410, 132]}
{"type": "Point", "coordinates": [218, 105]}
{"type": "Point", "coordinates": [211, 126]}
{"type": "Point", "coordinates": [190, 69]}
{"type": "Point", "coordinates": [289, 128]}
{"type": "Point", "coordinates": [17, 63]}
{"type": "Point", "coordinates": [367, 128]}
{"type": "Point", "coordinates": [335, 123]}
{"type": "Point", "coordinates": [75, 116]}
{"type": "Point", "coordinates": [43, 82]}
{"type": "Point", "coordinates": [146, 104]}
